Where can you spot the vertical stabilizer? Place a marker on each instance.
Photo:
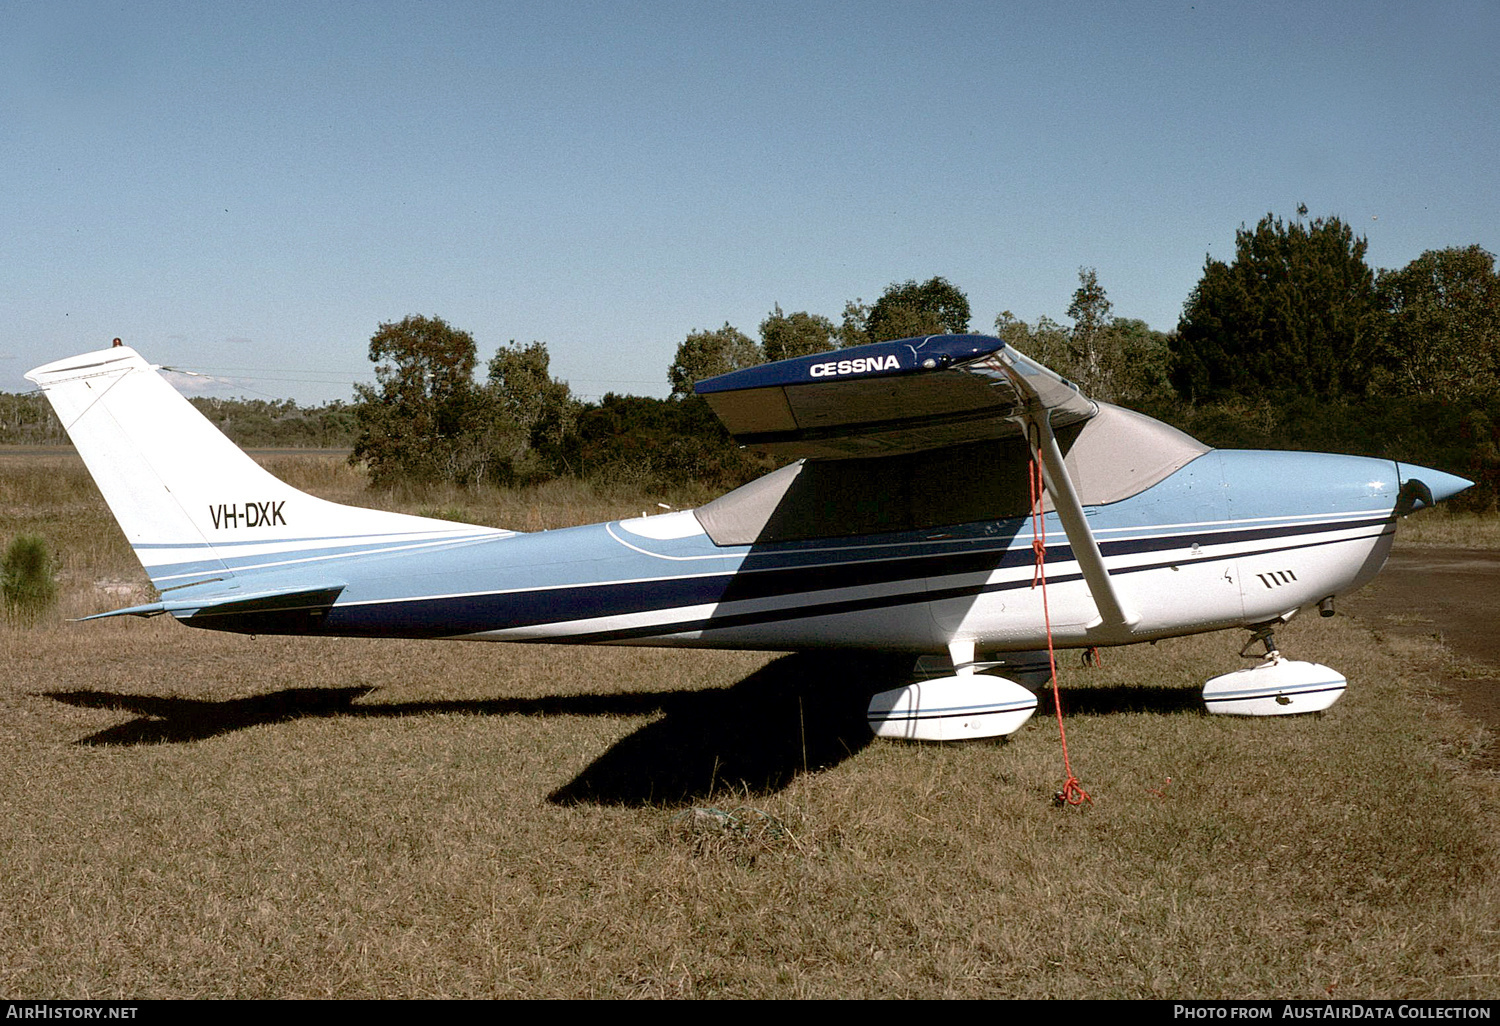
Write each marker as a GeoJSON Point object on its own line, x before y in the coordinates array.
{"type": "Point", "coordinates": [194, 507]}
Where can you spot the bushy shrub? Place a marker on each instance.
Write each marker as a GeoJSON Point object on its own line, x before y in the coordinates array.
{"type": "Point", "coordinates": [27, 580]}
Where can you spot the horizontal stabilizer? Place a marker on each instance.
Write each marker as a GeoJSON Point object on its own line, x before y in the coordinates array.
{"type": "Point", "coordinates": [273, 612]}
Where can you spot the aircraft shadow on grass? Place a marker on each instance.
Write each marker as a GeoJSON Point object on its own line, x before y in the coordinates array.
{"type": "Point", "coordinates": [800, 713]}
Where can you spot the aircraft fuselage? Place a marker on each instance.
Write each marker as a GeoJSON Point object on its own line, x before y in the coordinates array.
{"type": "Point", "coordinates": [1232, 538]}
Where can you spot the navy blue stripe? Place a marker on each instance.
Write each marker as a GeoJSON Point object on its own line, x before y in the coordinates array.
{"type": "Point", "coordinates": [1249, 696]}
{"type": "Point", "coordinates": [979, 710]}
{"type": "Point", "coordinates": [1134, 546]}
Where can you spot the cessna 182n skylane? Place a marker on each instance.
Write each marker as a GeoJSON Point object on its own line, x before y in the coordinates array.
{"type": "Point", "coordinates": [903, 527]}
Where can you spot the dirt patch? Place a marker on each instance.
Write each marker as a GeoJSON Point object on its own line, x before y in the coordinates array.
{"type": "Point", "coordinates": [1449, 594]}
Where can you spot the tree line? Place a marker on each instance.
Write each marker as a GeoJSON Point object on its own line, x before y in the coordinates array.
{"type": "Point", "coordinates": [26, 418]}
{"type": "Point", "coordinates": [429, 418]}
{"type": "Point", "coordinates": [1295, 342]}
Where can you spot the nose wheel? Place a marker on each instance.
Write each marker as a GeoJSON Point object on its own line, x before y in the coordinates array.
{"type": "Point", "coordinates": [1277, 687]}
{"type": "Point", "coordinates": [1262, 635]}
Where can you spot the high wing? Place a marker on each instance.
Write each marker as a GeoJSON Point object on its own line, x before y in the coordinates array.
{"type": "Point", "coordinates": [911, 395]}
{"type": "Point", "coordinates": [891, 397]}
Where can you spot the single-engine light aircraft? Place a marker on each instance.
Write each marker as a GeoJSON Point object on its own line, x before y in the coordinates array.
{"type": "Point", "coordinates": [903, 525]}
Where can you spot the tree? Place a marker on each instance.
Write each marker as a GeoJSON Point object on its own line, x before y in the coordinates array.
{"type": "Point", "coordinates": [784, 336]}
{"type": "Point", "coordinates": [1296, 311]}
{"type": "Point", "coordinates": [662, 444]}
{"type": "Point", "coordinates": [910, 310]}
{"type": "Point", "coordinates": [705, 354]}
{"type": "Point", "coordinates": [1047, 343]}
{"type": "Point", "coordinates": [1090, 312]}
{"type": "Point", "coordinates": [1443, 332]}
{"type": "Point", "coordinates": [527, 395]}
{"type": "Point", "coordinates": [1131, 358]}
{"type": "Point", "coordinates": [422, 361]}
{"type": "Point", "coordinates": [854, 330]}
{"type": "Point", "coordinates": [1143, 358]}
{"type": "Point", "coordinates": [426, 420]}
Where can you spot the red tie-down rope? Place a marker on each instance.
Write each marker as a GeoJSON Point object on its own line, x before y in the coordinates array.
{"type": "Point", "coordinates": [1072, 791]}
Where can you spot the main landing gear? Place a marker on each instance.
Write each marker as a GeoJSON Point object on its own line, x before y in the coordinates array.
{"type": "Point", "coordinates": [1277, 687]}
{"type": "Point", "coordinates": [953, 708]}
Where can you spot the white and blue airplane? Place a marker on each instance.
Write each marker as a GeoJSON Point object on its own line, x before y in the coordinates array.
{"type": "Point", "coordinates": [902, 526]}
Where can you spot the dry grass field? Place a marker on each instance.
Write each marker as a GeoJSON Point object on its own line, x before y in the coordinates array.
{"type": "Point", "coordinates": [1442, 528]}
{"type": "Point", "coordinates": [192, 814]}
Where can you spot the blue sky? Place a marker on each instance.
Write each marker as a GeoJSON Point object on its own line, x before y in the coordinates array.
{"type": "Point", "coordinates": [248, 190]}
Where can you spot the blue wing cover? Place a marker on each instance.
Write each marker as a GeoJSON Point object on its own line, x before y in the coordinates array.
{"type": "Point", "coordinates": [890, 397]}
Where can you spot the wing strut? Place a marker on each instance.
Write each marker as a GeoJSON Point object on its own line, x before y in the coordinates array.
{"type": "Point", "coordinates": [1113, 612]}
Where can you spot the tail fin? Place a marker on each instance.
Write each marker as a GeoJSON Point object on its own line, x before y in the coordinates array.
{"type": "Point", "coordinates": [194, 507]}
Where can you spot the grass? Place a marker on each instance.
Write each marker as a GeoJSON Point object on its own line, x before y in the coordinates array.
{"type": "Point", "coordinates": [184, 813]}
{"type": "Point", "coordinates": [1440, 527]}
